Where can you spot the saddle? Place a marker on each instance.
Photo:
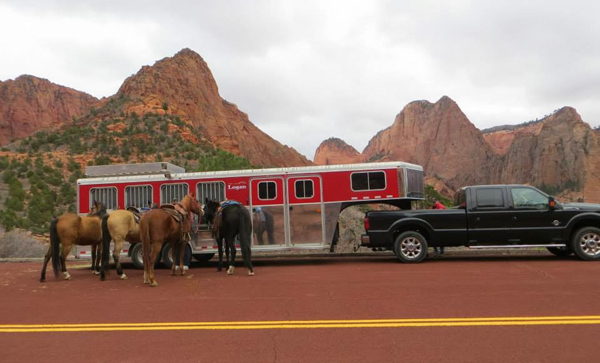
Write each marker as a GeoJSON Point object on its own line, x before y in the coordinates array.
{"type": "Point", "coordinates": [219, 215]}
{"type": "Point", "coordinates": [136, 214]}
{"type": "Point", "coordinates": [179, 214]}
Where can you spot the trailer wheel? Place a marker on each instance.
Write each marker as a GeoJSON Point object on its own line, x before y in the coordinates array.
{"type": "Point", "coordinates": [410, 247]}
{"type": "Point", "coordinates": [137, 257]}
{"type": "Point", "coordinates": [204, 257]}
{"type": "Point", "coordinates": [167, 256]}
{"type": "Point", "coordinates": [586, 243]}
{"type": "Point", "coordinates": [560, 251]}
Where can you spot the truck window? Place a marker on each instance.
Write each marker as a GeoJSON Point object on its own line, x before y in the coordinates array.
{"type": "Point", "coordinates": [460, 200]}
{"type": "Point", "coordinates": [489, 198]}
{"type": "Point", "coordinates": [529, 198]}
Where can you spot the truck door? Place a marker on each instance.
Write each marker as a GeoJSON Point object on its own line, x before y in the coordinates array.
{"type": "Point", "coordinates": [488, 218]}
{"type": "Point", "coordinates": [532, 221]}
{"type": "Point", "coordinates": [269, 218]}
{"type": "Point", "coordinates": [305, 210]}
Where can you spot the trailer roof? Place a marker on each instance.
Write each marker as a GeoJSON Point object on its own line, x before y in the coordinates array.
{"type": "Point", "coordinates": [167, 175]}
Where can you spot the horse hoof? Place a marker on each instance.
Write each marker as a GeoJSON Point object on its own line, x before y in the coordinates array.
{"type": "Point", "coordinates": [96, 272]}
{"type": "Point", "coordinates": [250, 273]}
{"type": "Point", "coordinates": [123, 277]}
{"type": "Point", "coordinates": [67, 276]}
{"type": "Point", "coordinates": [154, 284]}
{"type": "Point", "coordinates": [230, 270]}
{"type": "Point", "coordinates": [42, 280]}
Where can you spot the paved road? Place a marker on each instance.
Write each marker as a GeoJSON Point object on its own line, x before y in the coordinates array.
{"type": "Point", "coordinates": [364, 309]}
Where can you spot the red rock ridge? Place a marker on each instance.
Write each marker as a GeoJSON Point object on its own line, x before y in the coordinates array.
{"type": "Point", "coordinates": [337, 151]}
{"type": "Point", "coordinates": [185, 83]}
{"type": "Point", "coordinates": [441, 139]}
{"type": "Point", "coordinates": [501, 140]}
{"type": "Point", "coordinates": [29, 104]}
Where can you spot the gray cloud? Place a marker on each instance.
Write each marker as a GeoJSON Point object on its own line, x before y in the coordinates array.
{"type": "Point", "coordinates": [305, 71]}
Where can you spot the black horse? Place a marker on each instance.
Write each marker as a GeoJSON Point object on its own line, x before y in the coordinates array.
{"type": "Point", "coordinates": [229, 222]}
{"type": "Point", "coordinates": [263, 221]}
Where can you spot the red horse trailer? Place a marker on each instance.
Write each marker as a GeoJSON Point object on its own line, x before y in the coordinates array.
{"type": "Point", "coordinates": [292, 208]}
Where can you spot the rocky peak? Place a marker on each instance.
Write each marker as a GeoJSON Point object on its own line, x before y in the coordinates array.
{"type": "Point", "coordinates": [336, 151]}
{"type": "Point", "coordinates": [440, 138]}
{"type": "Point", "coordinates": [29, 104]}
{"type": "Point", "coordinates": [185, 85]}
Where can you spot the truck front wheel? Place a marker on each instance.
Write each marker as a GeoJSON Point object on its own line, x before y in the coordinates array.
{"type": "Point", "coordinates": [586, 243]}
{"type": "Point", "coordinates": [410, 247]}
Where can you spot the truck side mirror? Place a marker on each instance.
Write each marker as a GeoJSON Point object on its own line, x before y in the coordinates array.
{"type": "Point", "coordinates": [551, 203]}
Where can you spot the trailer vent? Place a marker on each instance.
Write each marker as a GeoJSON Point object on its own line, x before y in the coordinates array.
{"type": "Point", "coordinates": [172, 192]}
{"type": "Point", "coordinates": [212, 191]}
{"type": "Point", "coordinates": [107, 196]}
{"type": "Point", "coordinates": [138, 196]}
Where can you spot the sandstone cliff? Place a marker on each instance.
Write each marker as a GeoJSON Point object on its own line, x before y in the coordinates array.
{"type": "Point", "coordinates": [440, 138]}
{"type": "Point", "coordinates": [337, 151]}
{"type": "Point", "coordinates": [500, 140]}
{"type": "Point", "coordinates": [185, 86]}
{"type": "Point", "coordinates": [28, 104]}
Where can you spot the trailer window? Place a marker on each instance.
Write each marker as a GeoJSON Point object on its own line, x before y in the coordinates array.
{"type": "Point", "coordinates": [138, 196]}
{"type": "Point", "coordinates": [170, 193]}
{"type": "Point", "coordinates": [304, 189]}
{"type": "Point", "coordinates": [371, 180]}
{"type": "Point", "coordinates": [415, 185]}
{"type": "Point", "coordinates": [106, 196]}
{"type": "Point", "coordinates": [212, 191]}
{"type": "Point", "coordinates": [267, 190]}
{"type": "Point", "coordinates": [490, 198]}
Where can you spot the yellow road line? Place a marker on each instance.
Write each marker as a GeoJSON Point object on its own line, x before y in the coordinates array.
{"type": "Point", "coordinates": [306, 324]}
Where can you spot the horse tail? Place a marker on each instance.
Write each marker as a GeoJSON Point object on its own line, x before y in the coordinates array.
{"type": "Point", "coordinates": [55, 246]}
{"type": "Point", "coordinates": [106, 238]}
{"type": "Point", "coordinates": [245, 231]}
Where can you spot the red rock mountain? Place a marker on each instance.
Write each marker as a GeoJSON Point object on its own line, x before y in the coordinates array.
{"type": "Point", "coordinates": [185, 83]}
{"type": "Point", "coordinates": [560, 153]}
{"type": "Point", "coordinates": [336, 151]}
{"type": "Point", "coordinates": [28, 104]}
{"type": "Point", "coordinates": [440, 138]}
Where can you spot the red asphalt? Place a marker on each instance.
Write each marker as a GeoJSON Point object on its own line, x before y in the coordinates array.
{"type": "Point", "coordinates": [307, 288]}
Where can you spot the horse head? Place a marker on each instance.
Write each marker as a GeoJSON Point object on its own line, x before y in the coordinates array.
{"type": "Point", "coordinates": [210, 210]}
{"type": "Point", "coordinates": [191, 204]}
{"type": "Point", "coordinates": [98, 210]}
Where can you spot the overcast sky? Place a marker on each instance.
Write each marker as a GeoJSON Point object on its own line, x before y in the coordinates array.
{"type": "Point", "coordinates": [305, 71]}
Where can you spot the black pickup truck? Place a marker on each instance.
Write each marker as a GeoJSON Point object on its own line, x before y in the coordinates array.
{"type": "Point", "coordinates": [489, 216]}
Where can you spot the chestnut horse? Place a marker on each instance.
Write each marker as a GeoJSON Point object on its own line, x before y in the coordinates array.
{"type": "Point", "coordinates": [119, 226]}
{"type": "Point", "coordinates": [233, 221]}
{"type": "Point", "coordinates": [157, 227]}
{"type": "Point", "coordinates": [71, 229]}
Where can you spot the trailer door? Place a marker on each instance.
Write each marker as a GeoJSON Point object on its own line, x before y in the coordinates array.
{"type": "Point", "coordinates": [305, 210]}
{"type": "Point", "coordinates": [267, 203]}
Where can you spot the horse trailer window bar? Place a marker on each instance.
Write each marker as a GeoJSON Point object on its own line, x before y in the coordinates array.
{"type": "Point", "coordinates": [107, 195]}
{"type": "Point", "coordinates": [138, 196]}
{"type": "Point", "coordinates": [170, 192]}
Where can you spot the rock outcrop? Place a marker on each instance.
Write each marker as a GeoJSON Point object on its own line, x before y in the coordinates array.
{"type": "Point", "coordinates": [441, 139]}
{"type": "Point", "coordinates": [337, 151]}
{"type": "Point", "coordinates": [29, 104]}
{"type": "Point", "coordinates": [560, 153]}
{"type": "Point", "coordinates": [184, 85]}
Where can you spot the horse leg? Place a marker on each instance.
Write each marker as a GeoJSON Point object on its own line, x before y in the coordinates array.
{"type": "Point", "coordinates": [116, 255]}
{"type": "Point", "coordinates": [220, 245]}
{"type": "Point", "coordinates": [154, 250]}
{"type": "Point", "coordinates": [93, 247]}
{"type": "Point", "coordinates": [63, 258]}
{"type": "Point", "coordinates": [96, 258]}
{"type": "Point", "coordinates": [231, 246]}
{"type": "Point", "coordinates": [46, 259]}
{"type": "Point", "coordinates": [247, 256]}
{"type": "Point", "coordinates": [182, 248]}
{"type": "Point", "coordinates": [176, 261]}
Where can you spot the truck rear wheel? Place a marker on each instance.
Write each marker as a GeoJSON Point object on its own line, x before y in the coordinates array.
{"type": "Point", "coordinates": [586, 243]}
{"type": "Point", "coordinates": [410, 247]}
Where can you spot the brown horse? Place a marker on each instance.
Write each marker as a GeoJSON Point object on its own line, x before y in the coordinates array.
{"type": "Point", "coordinates": [119, 226]}
{"type": "Point", "coordinates": [71, 229]}
{"type": "Point", "coordinates": [157, 227]}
